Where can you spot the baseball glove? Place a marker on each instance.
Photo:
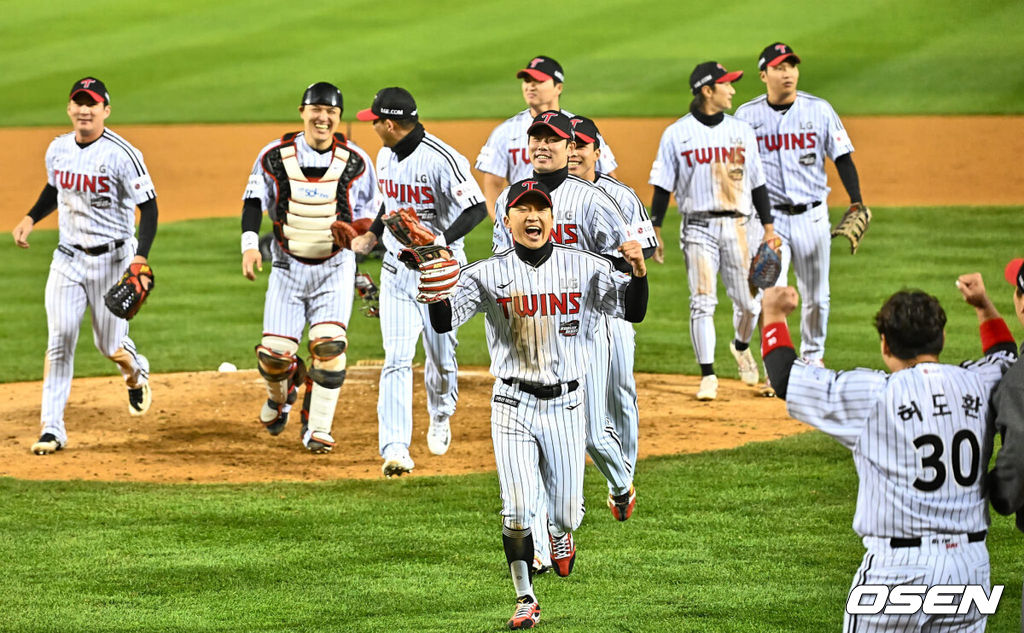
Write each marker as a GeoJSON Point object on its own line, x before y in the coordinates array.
{"type": "Point", "coordinates": [342, 233]}
{"type": "Point", "coordinates": [853, 225]}
{"type": "Point", "coordinates": [766, 265]}
{"type": "Point", "coordinates": [438, 278]}
{"type": "Point", "coordinates": [126, 296]}
{"type": "Point", "coordinates": [415, 257]}
{"type": "Point", "coordinates": [369, 293]}
{"type": "Point", "coordinates": [405, 225]}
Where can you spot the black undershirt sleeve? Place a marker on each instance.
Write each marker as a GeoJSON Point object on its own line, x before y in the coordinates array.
{"type": "Point", "coordinates": [45, 205]}
{"type": "Point", "coordinates": [659, 205]}
{"type": "Point", "coordinates": [440, 316]}
{"type": "Point", "coordinates": [636, 299]}
{"type": "Point", "coordinates": [147, 226]}
{"type": "Point", "coordinates": [763, 206]}
{"type": "Point", "coordinates": [377, 228]}
{"type": "Point", "coordinates": [848, 174]}
{"type": "Point", "coordinates": [252, 215]}
{"type": "Point", "coordinates": [778, 364]}
{"type": "Point", "coordinates": [466, 221]}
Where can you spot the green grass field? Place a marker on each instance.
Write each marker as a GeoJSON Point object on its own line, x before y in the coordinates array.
{"type": "Point", "coordinates": [750, 540]}
{"type": "Point", "coordinates": [245, 60]}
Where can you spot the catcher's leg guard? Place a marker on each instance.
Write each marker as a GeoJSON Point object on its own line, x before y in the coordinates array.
{"type": "Point", "coordinates": [277, 365]}
{"type": "Point", "coordinates": [327, 345]}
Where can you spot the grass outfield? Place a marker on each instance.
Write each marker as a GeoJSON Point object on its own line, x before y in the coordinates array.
{"type": "Point", "coordinates": [753, 539]}
{"type": "Point", "coordinates": [248, 60]}
{"type": "Point", "coordinates": [203, 312]}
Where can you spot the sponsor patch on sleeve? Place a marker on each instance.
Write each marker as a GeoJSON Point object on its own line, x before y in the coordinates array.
{"type": "Point", "coordinates": [467, 193]}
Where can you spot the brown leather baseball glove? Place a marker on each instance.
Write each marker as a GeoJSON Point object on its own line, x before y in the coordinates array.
{"type": "Point", "coordinates": [853, 225]}
{"type": "Point", "coordinates": [405, 225]}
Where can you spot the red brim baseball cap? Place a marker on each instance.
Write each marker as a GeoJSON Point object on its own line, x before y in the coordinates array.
{"type": "Point", "coordinates": [541, 124]}
{"type": "Point", "coordinates": [95, 97]}
{"type": "Point", "coordinates": [527, 188]}
{"type": "Point", "coordinates": [1014, 273]}
{"type": "Point", "coordinates": [367, 115]}
{"type": "Point", "coordinates": [535, 74]}
{"type": "Point", "coordinates": [730, 77]}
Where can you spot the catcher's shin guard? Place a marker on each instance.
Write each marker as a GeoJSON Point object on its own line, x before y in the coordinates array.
{"type": "Point", "coordinates": [277, 364]}
{"type": "Point", "coordinates": [327, 344]}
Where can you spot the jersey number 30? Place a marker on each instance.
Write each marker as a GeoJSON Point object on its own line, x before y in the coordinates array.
{"type": "Point", "coordinates": [934, 460]}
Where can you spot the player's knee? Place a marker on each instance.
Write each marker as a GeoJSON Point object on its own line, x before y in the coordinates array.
{"type": "Point", "coordinates": [703, 304]}
{"type": "Point", "coordinates": [277, 357]}
{"type": "Point", "coordinates": [327, 345]}
{"type": "Point", "coordinates": [570, 516]}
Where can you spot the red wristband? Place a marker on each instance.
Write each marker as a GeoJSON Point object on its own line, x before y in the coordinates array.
{"type": "Point", "coordinates": [774, 336]}
{"type": "Point", "coordinates": [994, 332]}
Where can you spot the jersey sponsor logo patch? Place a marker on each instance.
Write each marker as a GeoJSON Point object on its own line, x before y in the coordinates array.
{"type": "Point", "coordinates": [100, 203]}
{"type": "Point", "coordinates": [388, 267]}
{"type": "Point", "coordinates": [569, 328]}
{"type": "Point", "coordinates": [808, 159]}
{"type": "Point", "coordinates": [500, 399]}
{"type": "Point", "coordinates": [545, 304]}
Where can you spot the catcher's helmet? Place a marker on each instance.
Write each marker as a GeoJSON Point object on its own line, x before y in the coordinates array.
{"type": "Point", "coordinates": [322, 93]}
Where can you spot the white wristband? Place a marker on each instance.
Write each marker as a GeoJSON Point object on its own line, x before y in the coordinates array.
{"type": "Point", "coordinates": [250, 241]}
{"type": "Point", "coordinates": [440, 241]}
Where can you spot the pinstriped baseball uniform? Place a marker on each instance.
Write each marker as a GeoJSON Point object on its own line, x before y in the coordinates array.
{"type": "Point", "coordinates": [98, 187]}
{"type": "Point", "coordinates": [712, 171]}
{"type": "Point", "coordinates": [622, 400]}
{"type": "Point", "coordinates": [506, 152]}
{"type": "Point", "coordinates": [436, 181]}
{"type": "Point", "coordinates": [318, 289]}
{"type": "Point", "coordinates": [541, 323]}
{"type": "Point", "coordinates": [918, 443]}
{"type": "Point", "coordinates": [793, 146]}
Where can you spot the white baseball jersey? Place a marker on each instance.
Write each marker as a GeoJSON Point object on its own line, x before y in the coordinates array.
{"type": "Point", "coordinates": [436, 181]}
{"type": "Point", "coordinates": [98, 187]}
{"type": "Point", "coordinates": [793, 146]}
{"type": "Point", "coordinates": [709, 168]}
{"type": "Point", "coordinates": [633, 210]}
{"type": "Point", "coordinates": [507, 150]}
{"type": "Point", "coordinates": [916, 435]}
{"type": "Point", "coordinates": [586, 218]}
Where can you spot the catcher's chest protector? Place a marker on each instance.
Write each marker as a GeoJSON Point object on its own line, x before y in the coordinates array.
{"type": "Point", "coordinates": [306, 205]}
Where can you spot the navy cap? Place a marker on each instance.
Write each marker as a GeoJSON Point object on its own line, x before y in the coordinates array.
{"type": "Point", "coordinates": [391, 103]}
{"type": "Point", "coordinates": [543, 68]}
{"type": "Point", "coordinates": [585, 130]}
{"type": "Point", "coordinates": [711, 72]}
{"type": "Point", "coordinates": [527, 188]}
{"type": "Point", "coordinates": [775, 54]}
{"type": "Point", "coordinates": [555, 121]}
{"type": "Point", "coordinates": [92, 87]}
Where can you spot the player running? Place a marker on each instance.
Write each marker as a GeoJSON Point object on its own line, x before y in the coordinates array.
{"type": "Point", "coordinates": [710, 160]}
{"type": "Point", "coordinates": [918, 437]}
{"type": "Point", "coordinates": [542, 303]}
{"type": "Point", "coordinates": [505, 157]}
{"type": "Point", "coordinates": [795, 132]}
{"type": "Point", "coordinates": [420, 171]}
{"type": "Point", "coordinates": [95, 179]}
{"type": "Point", "coordinates": [307, 181]}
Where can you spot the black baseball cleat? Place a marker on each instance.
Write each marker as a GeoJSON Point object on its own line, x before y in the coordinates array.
{"type": "Point", "coordinates": [47, 444]}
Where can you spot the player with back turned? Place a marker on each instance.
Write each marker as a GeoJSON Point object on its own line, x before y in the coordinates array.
{"type": "Point", "coordinates": [307, 181]}
{"type": "Point", "coordinates": [796, 131]}
{"type": "Point", "coordinates": [542, 303]}
{"type": "Point", "coordinates": [95, 179]}
{"type": "Point", "coordinates": [417, 171]}
{"type": "Point", "coordinates": [710, 161]}
{"type": "Point", "coordinates": [919, 440]}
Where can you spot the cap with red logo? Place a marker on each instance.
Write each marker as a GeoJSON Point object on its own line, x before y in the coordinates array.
{"type": "Point", "coordinates": [711, 72]}
{"type": "Point", "coordinates": [585, 130]}
{"type": "Point", "coordinates": [92, 87]}
{"type": "Point", "coordinates": [528, 188]}
{"type": "Point", "coordinates": [391, 103]}
{"type": "Point", "coordinates": [543, 68]}
{"type": "Point", "coordinates": [554, 121]}
{"type": "Point", "coordinates": [775, 54]}
{"type": "Point", "coordinates": [1014, 273]}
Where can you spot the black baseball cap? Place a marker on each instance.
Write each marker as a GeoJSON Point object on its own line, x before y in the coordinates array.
{"type": "Point", "coordinates": [554, 121]}
{"type": "Point", "coordinates": [322, 93]}
{"type": "Point", "coordinates": [585, 130]}
{"type": "Point", "coordinates": [527, 188]}
{"type": "Point", "coordinates": [1014, 273]}
{"type": "Point", "coordinates": [543, 68]}
{"type": "Point", "coordinates": [775, 54]}
{"type": "Point", "coordinates": [92, 87]}
{"type": "Point", "coordinates": [711, 72]}
{"type": "Point", "coordinates": [390, 103]}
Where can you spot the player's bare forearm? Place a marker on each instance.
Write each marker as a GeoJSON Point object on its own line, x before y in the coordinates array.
{"type": "Point", "coordinates": [492, 188]}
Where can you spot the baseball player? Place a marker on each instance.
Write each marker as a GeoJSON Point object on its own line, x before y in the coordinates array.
{"type": "Point", "coordinates": [917, 438]}
{"type": "Point", "coordinates": [587, 219]}
{"type": "Point", "coordinates": [542, 303]}
{"type": "Point", "coordinates": [505, 157]}
{"type": "Point", "coordinates": [622, 400]}
{"type": "Point", "coordinates": [795, 132]}
{"type": "Point", "coordinates": [710, 160]}
{"type": "Point", "coordinates": [95, 179]}
{"type": "Point", "coordinates": [415, 169]}
{"type": "Point", "coordinates": [307, 181]}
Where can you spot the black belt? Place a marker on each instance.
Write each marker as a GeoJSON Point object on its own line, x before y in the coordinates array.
{"type": "Point", "coordinates": [973, 537]}
{"type": "Point", "coordinates": [796, 209]}
{"type": "Point", "coordinates": [544, 392]}
{"type": "Point", "coordinates": [99, 250]}
{"type": "Point", "coordinates": [723, 214]}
